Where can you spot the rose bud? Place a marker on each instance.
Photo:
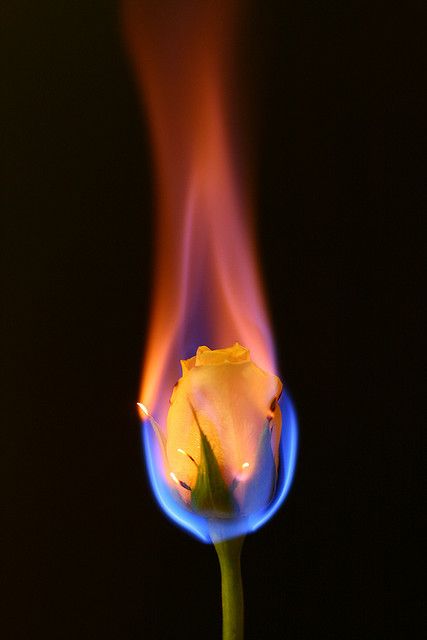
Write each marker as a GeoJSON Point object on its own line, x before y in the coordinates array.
{"type": "Point", "coordinates": [223, 433]}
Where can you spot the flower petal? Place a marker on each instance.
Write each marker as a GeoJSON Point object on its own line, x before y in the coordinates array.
{"type": "Point", "coordinates": [258, 490]}
{"type": "Point", "coordinates": [236, 353]}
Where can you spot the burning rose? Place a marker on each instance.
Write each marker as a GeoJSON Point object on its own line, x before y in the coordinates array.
{"type": "Point", "coordinates": [223, 432]}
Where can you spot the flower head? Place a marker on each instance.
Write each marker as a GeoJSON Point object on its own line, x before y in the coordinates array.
{"type": "Point", "coordinates": [223, 432]}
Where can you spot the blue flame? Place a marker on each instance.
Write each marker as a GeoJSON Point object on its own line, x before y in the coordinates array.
{"type": "Point", "coordinates": [223, 528]}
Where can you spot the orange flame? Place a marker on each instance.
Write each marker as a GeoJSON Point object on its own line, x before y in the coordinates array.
{"type": "Point", "coordinates": [207, 285]}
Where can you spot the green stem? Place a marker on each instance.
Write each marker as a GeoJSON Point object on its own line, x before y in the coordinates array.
{"type": "Point", "coordinates": [231, 588]}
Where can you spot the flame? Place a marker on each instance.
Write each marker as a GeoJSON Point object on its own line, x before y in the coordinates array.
{"type": "Point", "coordinates": [207, 287]}
{"type": "Point", "coordinates": [143, 409]}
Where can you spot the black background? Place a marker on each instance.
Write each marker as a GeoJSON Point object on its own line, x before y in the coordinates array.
{"type": "Point", "coordinates": [87, 552]}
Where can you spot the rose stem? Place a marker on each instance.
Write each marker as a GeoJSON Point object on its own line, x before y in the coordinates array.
{"type": "Point", "coordinates": [231, 588]}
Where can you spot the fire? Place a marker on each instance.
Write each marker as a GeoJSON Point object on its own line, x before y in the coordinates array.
{"type": "Point", "coordinates": [143, 409]}
{"type": "Point", "coordinates": [207, 287]}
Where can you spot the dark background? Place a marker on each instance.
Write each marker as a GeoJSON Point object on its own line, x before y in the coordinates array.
{"type": "Point", "coordinates": [87, 552]}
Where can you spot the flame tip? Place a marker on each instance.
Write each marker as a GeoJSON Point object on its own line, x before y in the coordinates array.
{"type": "Point", "coordinates": [143, 409]}
{"type": "Point", "coordinates": [174, 478]}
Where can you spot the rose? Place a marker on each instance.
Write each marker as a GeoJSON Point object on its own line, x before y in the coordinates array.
{"type": "Point", "coordinates": [223, 432]}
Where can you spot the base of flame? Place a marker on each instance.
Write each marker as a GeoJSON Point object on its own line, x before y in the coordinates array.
{"type": "Point", "coordinates": [229, 552]}
{"type": "Point", "coordinates": [196, 524]}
